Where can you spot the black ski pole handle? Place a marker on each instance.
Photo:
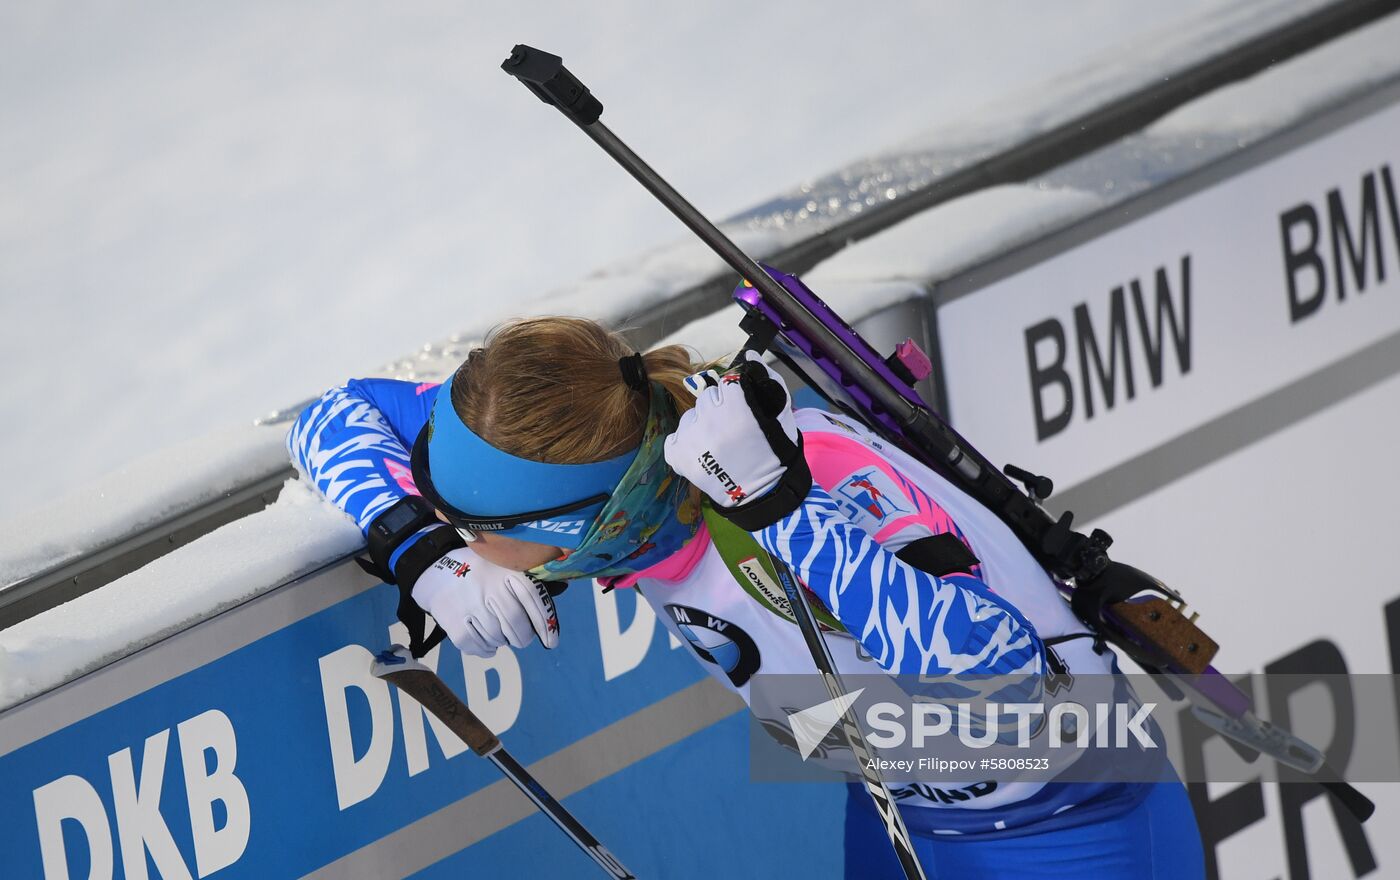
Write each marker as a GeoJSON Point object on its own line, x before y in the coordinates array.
{"type": "Point", "coordinates": [546, 76]}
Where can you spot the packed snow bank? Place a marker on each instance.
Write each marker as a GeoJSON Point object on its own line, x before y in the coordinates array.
{"type": "Point", "coordinates": [172, 481]}
{"type": "Point", "coordinates": [295, 535]}
{"type": "Point", "coordinates": [1101, 76]}
{"type": "Point", "coordinates": [147, 491]}
{"type": "Point", "coordinates": [944, 241]}
{"type": "Point", "coordinates": [899, 263]}
{"type": "Point", "coordinates": [1287, 93]}
{"type": "Point", "coordinates": [1237, 116]}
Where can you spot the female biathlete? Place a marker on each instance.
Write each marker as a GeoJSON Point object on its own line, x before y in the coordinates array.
{"type": "Point", "coordinates": [555, 452]}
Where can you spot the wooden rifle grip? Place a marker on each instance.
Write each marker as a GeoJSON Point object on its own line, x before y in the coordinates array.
{"type": "Point", "coordinates": [1162, 628]}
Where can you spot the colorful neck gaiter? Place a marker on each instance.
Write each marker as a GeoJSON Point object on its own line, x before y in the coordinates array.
{"type": "Point", "coordinates": [650, 515]}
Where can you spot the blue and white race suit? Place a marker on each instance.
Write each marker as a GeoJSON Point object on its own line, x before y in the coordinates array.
{"type": "Point", "coordinates": [867, 501]}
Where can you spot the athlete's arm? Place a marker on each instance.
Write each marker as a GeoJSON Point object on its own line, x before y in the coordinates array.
{"type": "Point", "coordinates": [878, 498]}
{"type": "Point", "coordinates": [740, 444]}
{"type": "Point", "coordinates": [908, 620]}
{"type": "Point", "coordinates": [353, 443]}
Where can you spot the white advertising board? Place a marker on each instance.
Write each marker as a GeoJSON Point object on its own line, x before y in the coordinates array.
{"type": "Point", "coordinates": [1116, 346]}
{"type": "Point", "coordinates": [1217, 384]}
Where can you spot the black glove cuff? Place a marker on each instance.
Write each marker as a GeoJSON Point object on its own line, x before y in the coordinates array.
{"type": "Point", "coordinates": [389, 530]}
{"type": "Point", "coordinates": [423, 553]}
{"type": "Point", "coordinates": [781, 500]}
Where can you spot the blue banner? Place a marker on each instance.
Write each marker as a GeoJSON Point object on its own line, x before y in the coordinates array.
{"type": "Point", "coordinates": [286, 756]}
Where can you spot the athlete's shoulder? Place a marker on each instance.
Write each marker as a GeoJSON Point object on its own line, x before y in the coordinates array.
{"type": "Point", "coordinates": [834, 443]}
{"type": "Point", "coordinates": [869, 486]}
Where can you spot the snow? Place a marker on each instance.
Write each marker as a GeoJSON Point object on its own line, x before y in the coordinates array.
{"type": "Point", "coordinates": [899, 263]}
{"type": "Point", "coordinates": [1132, 62]}
{"type": "Point", "coordinates": [137, 495]}
{"type": "Point", "coordinates": [956, 235]}
{"type": "Point", "coordinates": [939, 244]}
{"type": "Point", "coordinates": [345, 214]}
{"type": "Point", "coordinates": [204, 212]}
{"type": "Point", "coordinates": [293, 536]}
{"type": "Point", "coordinates": [1290, 92]}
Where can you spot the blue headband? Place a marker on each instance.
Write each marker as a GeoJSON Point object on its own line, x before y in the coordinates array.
{"type": "Point", "coordinates": [481, 480]}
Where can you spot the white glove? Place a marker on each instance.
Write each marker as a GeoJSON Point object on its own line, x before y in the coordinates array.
{"type": "Point", "coordinates": [735, 441]}
{"type": "Point", "coordinates": [483, 606]}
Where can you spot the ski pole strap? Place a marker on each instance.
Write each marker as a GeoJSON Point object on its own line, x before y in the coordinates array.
{"type": "Point", "coordinates": [416, 621]}
{"type": "Point", "coordinates": [751, 566]}
{"type": "Point", "coordinates": [423, 552]}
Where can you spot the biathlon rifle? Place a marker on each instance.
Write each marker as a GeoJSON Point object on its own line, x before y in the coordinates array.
{"type": "Point", "coordinates": [1130, 609]}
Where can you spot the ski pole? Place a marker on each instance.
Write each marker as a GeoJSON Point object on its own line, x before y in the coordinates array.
{"type": "Point", "coordinates": [805, 616]}
{"type": "Point", "coordinates": [397, 666]}
{"type": "Point", "coordinates": [850, 727]}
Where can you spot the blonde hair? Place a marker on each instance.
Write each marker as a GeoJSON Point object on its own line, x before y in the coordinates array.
{"type": "Point", "coordinates": [550, 389]}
